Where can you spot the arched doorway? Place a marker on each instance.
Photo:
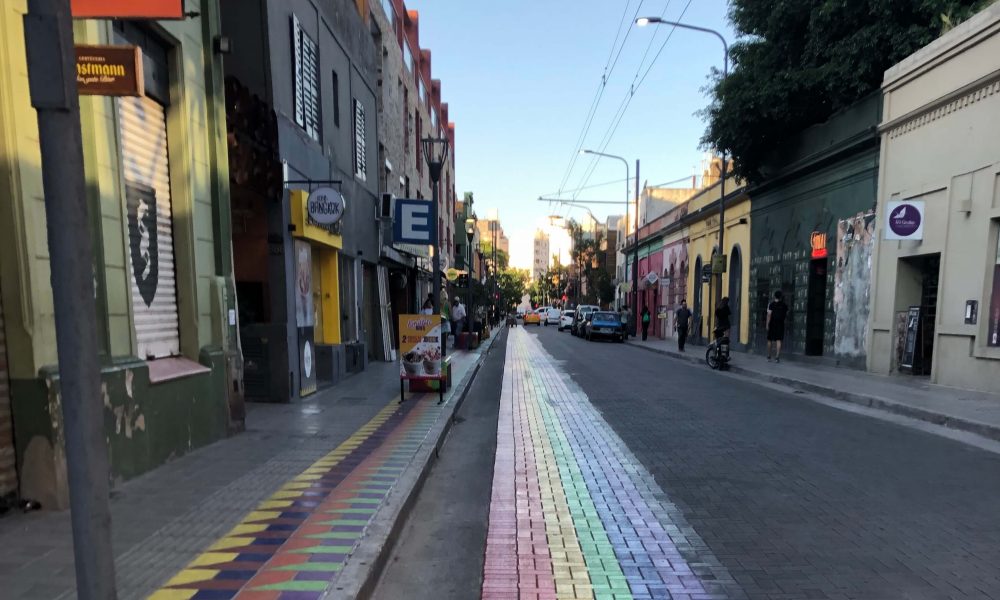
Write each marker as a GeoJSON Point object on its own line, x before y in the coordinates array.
{"type": "Point", "coordinates": [696, 308]}
{"type": "Point", "coordinates": [735, 288]}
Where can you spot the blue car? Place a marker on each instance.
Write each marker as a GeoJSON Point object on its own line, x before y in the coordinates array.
{"type": "Point", "coordinates": [604, 324]}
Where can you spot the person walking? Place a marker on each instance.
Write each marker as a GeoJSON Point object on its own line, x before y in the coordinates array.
{"type": "Point", "coordinates": [777, 311]}
{"type": "Point", "coordinates": [646, 318]}
{"type": "Point", "coordinates": [682, 316]}
{"type": "Point", "coordinates": [458, 316]}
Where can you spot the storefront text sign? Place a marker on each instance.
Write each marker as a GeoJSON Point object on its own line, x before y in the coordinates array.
{"type": "Point", "coordinates": [325, 206]}
{"type": "Point", "coordinates": [420, 346]}
{"type": "Point", "coordinates": [109, 70]}
{"type": "Point", "coordinates": [818, 243]}
{"type": "Point", "coordinates": [904, 220]}
{"type": "Point", "coordinates": [413, 222]}
{"type": "Point", "coordinates": [127, 9]}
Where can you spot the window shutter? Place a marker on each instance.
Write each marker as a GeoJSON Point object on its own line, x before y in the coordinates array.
{"type": "Point", "coordinates": [360, 148]}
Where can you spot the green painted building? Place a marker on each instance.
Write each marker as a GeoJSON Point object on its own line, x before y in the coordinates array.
{"type": "Point", "coordinates": [158, 188]}
{"type": "Point", "coordinates": [812, 219]}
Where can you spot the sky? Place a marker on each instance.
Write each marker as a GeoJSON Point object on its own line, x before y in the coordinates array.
{"type": "Point", "coordinates": [521, 76]}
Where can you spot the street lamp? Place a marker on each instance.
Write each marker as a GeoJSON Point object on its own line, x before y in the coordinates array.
{"type": "Point", "coordinates": [435, 153]}
{"type": "Point", "coordinates": [642, 22]}
{"type": "Point", "coordinates": [635, 257]}
{"type": "Point", "coordinates": [470, 233]}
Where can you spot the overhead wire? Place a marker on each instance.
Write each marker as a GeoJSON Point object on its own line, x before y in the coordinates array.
{"type": "Point", "coordinates": [595, 104]}
{"type": "Point", "coordinates": [627, 100]}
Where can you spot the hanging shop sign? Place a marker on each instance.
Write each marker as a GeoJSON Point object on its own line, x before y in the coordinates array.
{"type": "Point", "coordinates": [651, 279]}
{"type": "Point", "coordinates": [109, 70]}
{"type": "Point", "coordinates": [420, 346]}
{"type": "Point", "coordinates": [718, 263]}
{"type": "Point", "coordinates": [452, 274]}
{"type": "Point", "coordinates": [904, 220]}
{"type": "Point", "coordinates": [325, 206]}
{"type": "Point", "coordinates": [127, 9]}
{"type": "Point", "coordinates": [706, 273]}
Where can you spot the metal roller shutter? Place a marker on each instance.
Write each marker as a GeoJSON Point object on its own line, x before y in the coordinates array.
{"type": "Point", "coordinates": [146, 170]}
{"type": "Point", "coordinates": [8, 473]}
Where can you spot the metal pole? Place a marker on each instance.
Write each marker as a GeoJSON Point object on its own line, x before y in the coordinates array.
{"type": "Point", "coordinates": [436, 266]}
{"type": "Point", "coordinates": [635, 258]}
{"type": "Point", "coordinates": [51, 61]}
{"type": "Point", "coordinates": [722, 190]}
{"type": "Point", "coordinates": [468, 282]}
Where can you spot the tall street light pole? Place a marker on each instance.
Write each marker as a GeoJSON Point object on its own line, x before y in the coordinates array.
{"type": "Point", "coordinates": [470, 234]}
{"type": "Point", "coordinates": [48, 32]}
{"type": "Point", "coordinates": [635, 256]}
{"type": "Point", "coordinates": [435, 153]}
{"type": "Point", "coordinates": [642, 22]}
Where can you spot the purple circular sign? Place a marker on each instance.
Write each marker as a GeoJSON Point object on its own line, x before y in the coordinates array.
{"type": "Point", "coordinates": [904, 220]}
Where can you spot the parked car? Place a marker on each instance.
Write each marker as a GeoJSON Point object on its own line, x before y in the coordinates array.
{"type": "Point", "coordinates": [566, 320]}
{"type": "Point", "coordinates": [604, 324]}
{"type": "Point", "coordinates": [532, 318]}
{"type": "Point", "coordinates": [552, 316]}
{"type": "Point", "coordinates": [581, 317]}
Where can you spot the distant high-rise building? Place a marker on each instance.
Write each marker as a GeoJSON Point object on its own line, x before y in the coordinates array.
{"type": "Point", "coordinates": [540, 264]}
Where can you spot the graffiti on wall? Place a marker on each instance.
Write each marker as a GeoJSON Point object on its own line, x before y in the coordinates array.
{"type": "Point", "coordinates": [852, 283]}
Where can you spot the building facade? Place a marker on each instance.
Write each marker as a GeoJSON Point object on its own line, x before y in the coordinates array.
{"type": "Point", "coordinates": [310, 294]}
{"type": "Point", "coordinates": [156, 174]}
{"type": "Point", "coordinates": [935, 302]}
{"type": "Point", "coordinates": [540, 255]}
{"type": "Point", "coordinates": [811, 239]}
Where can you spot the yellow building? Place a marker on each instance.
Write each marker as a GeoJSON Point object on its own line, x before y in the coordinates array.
{"type": "Point", "coordinates": [703, 241]}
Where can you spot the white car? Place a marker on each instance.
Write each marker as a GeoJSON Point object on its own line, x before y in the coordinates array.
{"type": "Point", "coordinates": [566, 320]}
{"type": "Point", "coordinates": [552, 316]}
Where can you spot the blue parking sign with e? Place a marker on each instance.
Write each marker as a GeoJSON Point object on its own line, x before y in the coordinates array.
{"type": "Point", "coordinates": [413, 222]}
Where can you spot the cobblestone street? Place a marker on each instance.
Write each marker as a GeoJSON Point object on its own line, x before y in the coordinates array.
{"type": "Point", "coordinates": [783, 497]}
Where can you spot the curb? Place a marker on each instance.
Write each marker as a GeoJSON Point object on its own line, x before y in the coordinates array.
{"type": "Point", "coordinates": [979, 428]}
{"type": "Point", "coordinates": [362, 571]}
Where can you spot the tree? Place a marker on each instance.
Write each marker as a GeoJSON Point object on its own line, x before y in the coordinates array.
{"type": "Point", "coordinates": [512, 284]}
{"type": "Point", "coordinates": [588, 259]}
{"type": "Point", "coordinates": [503, 261]}
{"type": "Point", "coordinates": [799, 61]}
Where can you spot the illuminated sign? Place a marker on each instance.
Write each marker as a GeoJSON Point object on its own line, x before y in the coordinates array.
{"type": "Point", "coordinates": [127, 9]}
{"type": "Point", "coordinates": [818, 244]}
{"type": "Point", "coordinates": [109, 71]}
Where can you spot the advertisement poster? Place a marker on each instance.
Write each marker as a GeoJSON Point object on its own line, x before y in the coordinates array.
{"type": "Point", "coordinates": [420, 346]}
{"type": "Point", "coordinates": [304, 313]}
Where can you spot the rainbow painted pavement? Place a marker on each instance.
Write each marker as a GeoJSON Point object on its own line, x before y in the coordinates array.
{"type": "Point", "coordinates": [296, 542]}
{"type": "Point", "coordinates": [573, 513]}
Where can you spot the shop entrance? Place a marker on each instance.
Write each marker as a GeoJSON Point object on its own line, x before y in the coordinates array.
{"type": "Point", "coordinates": [8, 472]}
{"type": "Point", "coordinates": [816, 307]}
{"type": "Point", "coordinates": [916, 303]}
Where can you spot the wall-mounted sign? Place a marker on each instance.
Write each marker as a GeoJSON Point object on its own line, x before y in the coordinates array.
{"type": "Point", "coordinates": [817, 241]}
{"type": "Point", "coordinates": [413, 222]}
{"type": "Point", "coordinates": [904, 220]}
{"type": "Point", "coordinates": [719, 263]}
{"type": "Point", "coordinates": [706, 273]}
{"type": "Point", "coordinates": [127, 9]}
{"type": "Point", "coordinates": [109, 70]}
{"type": "Point", "coordinates": [651, 278]}
{"type": "Point", "coordinates": [325, 206]}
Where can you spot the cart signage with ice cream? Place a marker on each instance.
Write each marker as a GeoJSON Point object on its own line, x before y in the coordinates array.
{"type": "Point", "coordinates": [420, 358]}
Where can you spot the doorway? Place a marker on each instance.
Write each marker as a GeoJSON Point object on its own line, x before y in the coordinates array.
{"type": "Point", "coordinates": [816, 307]}
{"type": "Point", "coordinates": [736, 291]}
{"type": "Point", "coordinates": [917, 296]}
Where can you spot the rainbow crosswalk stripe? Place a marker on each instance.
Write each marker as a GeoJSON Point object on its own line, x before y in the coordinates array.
{"type": "Point", "coordinates": [573, 513]}
{"type": "Point", "coordinates": [293, 546]}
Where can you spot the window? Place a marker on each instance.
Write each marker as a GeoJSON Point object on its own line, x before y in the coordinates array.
{"type": "Point", "coordinates": [305, 58]}
{"type": "Point", "coordinates": [390, 13]}
{"type": "Point", "coordinates": [434, 120]}
{"type": "Point", "coordinates": [360, 144]}
{"type": "Point", "coordinates": [336, 99]}
{"type": "Point", "coordinates": [408, 58]}
{"type": "Point", "coordinates": [422, 94]}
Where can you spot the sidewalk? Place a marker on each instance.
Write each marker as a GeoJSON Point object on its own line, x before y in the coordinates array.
{"type": "Point", "coordinates": [252, 499]}
{"type": "Point", "coordinates": [965, 410]}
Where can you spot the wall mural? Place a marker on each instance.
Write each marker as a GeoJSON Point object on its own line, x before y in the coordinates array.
{"type": "Point", "coordinates": [144, 246]}
{"type": "Point", "coordinates": [852, 284]}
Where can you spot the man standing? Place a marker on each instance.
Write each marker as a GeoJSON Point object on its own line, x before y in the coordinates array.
{"type": "Point", "coordinates": [681, 318]}
{"type": "Point", "coordinates": [457, 317]}
{"type": "Point", "coordinates": [776, 313]}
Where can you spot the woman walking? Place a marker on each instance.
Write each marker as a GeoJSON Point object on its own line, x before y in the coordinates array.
{"type": "Point", "coordinates": [646, 318]}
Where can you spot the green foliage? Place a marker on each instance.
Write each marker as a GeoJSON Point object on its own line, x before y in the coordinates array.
{"type": "Point", "coordinates": [512, 283]}
{"type": "Point", "coordinates": [587, 259]}
{"type": "Point", "coordinates": [502, 259]}
{"type": "Point", "coordinates": [799, 61]}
